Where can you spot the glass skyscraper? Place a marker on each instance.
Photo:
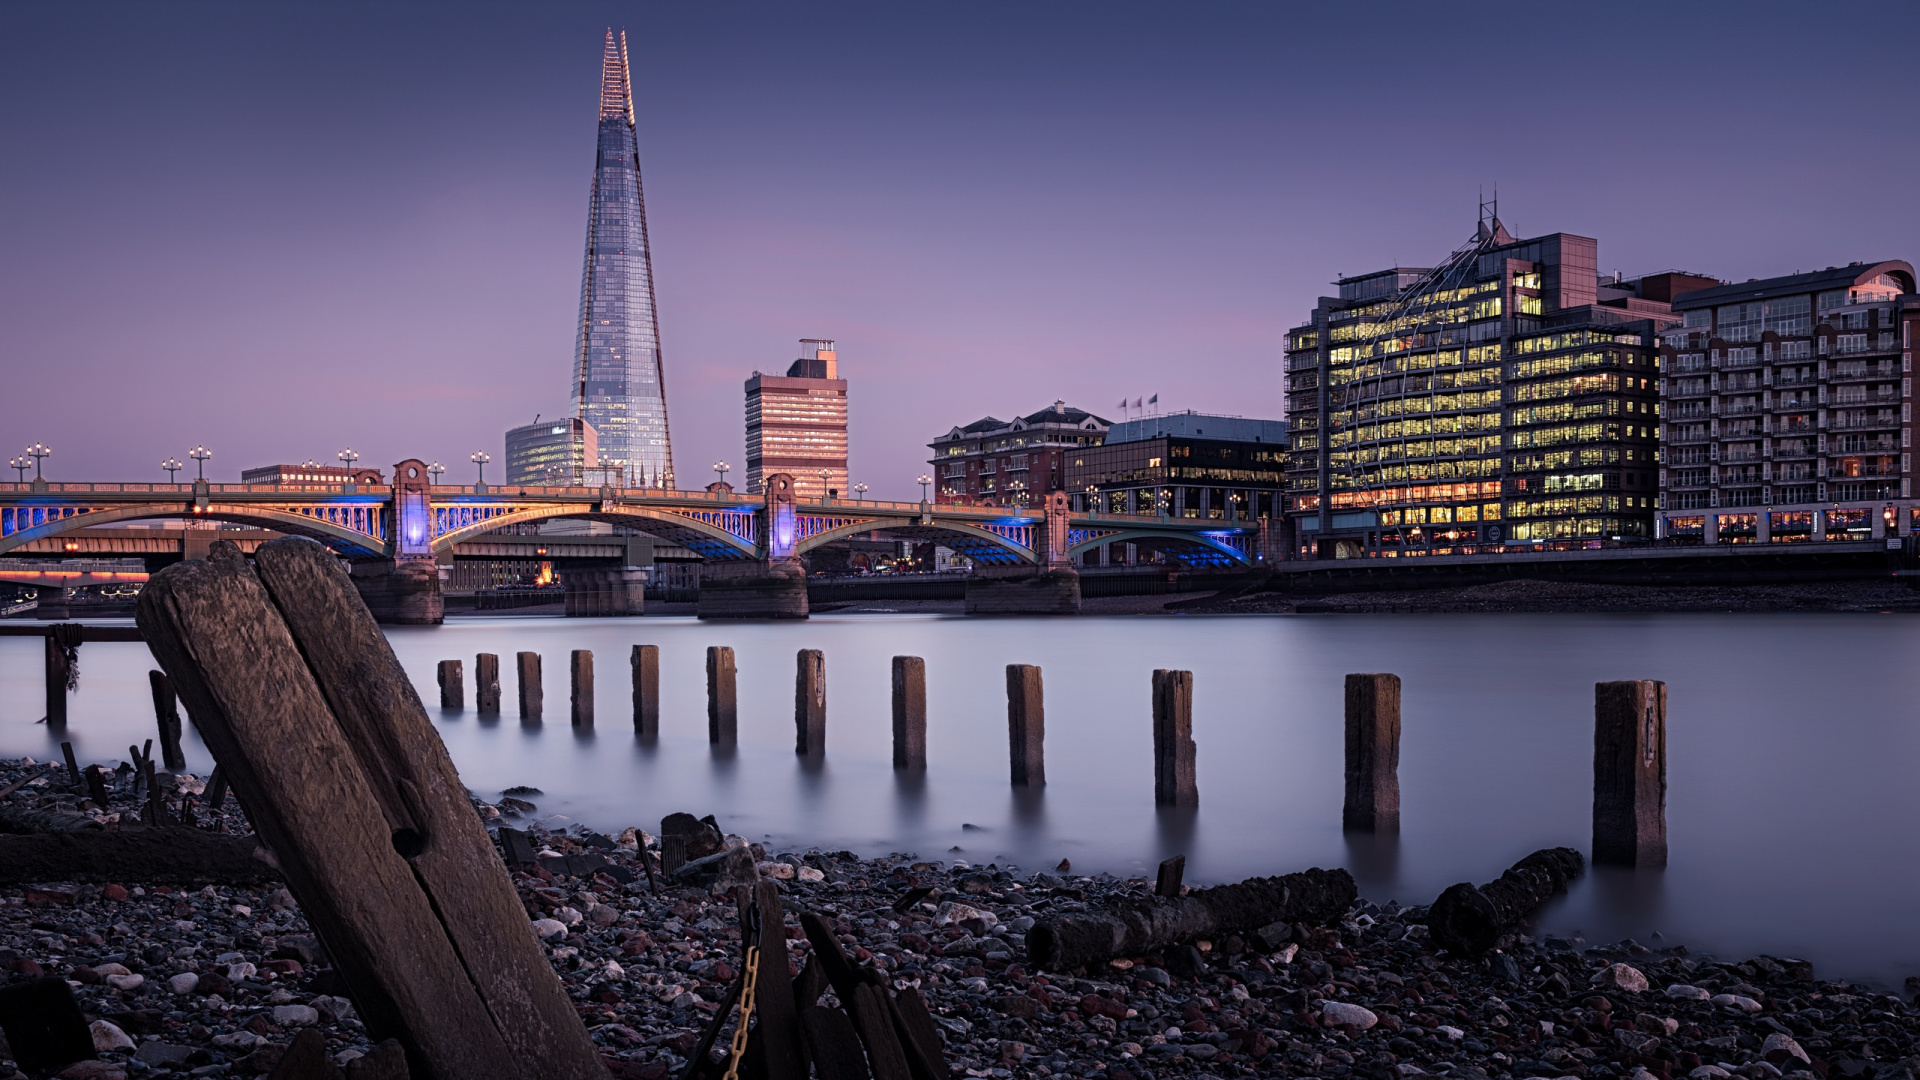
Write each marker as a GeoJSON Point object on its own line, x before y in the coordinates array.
{"type": "Point", "coordinates": [619, 381]}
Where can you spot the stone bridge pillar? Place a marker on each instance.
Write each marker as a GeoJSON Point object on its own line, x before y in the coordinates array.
{"type": "Point", "coordinates": [1050, 588]}
{"type": "Point", "coordinates": [405, 590]}
{"type": "Point", "coordinates": [774, 586]}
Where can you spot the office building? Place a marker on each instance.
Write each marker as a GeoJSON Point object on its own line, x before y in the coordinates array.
{"type": "Point", "coordinates": [551, 453]}
{"type": "Point", "coordinates": [619, 382]}
{"type": "Point", "coordinates": [1787, 408]}
{"type": "Point", "coordinates": [310, 473]}
{"type": "Point", "coordinates": [992, 462]}
{"type": "Point", "coordinates": [1187, 464]}
{"type": "Point", "coordinates": [797, 424]}
{"type": "Point", "coordinates": [1506, 396]}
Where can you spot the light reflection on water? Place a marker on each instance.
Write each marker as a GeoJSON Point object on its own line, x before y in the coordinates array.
{"type": "Point", "coordinates": [1791, 741]}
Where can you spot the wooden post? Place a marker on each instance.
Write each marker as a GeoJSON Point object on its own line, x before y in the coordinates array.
{"type": "Point", "coordinates": [1373, 754]}
{"type": "Point", "coordinates": [1630, 773]}
{"type": "Point", "coordinates": [582, 671]}
{"type": "Point", "coordinates": [453, 685]}
{"type": "Point", "coordinates": [810, 703]}
{"type": "Point", "coordinates": [646, 691]}
{"type": "Point", "coordinates": [909, 712]}
{"type": "Point", "coordinates": [301, 700]}
{"type": "Point", "coordinates": [1026, 725]}
{"type": "Point", "coordinates": [723, 703]}
{"type": "Point", "coordinates": [73, 764]}
{"type": "Point", "coordinates": [1171, 871]}
{"type": "Point", "coordinates": [486, 684]}
{"type": "Point", "coordinates": [57, 673]}
{"type": "Point", "coordinates": [1173, 750]}
{"type": "Point", "coordinates": [530, 690]}
{"type": "Point", "coordinates": [166, 712]}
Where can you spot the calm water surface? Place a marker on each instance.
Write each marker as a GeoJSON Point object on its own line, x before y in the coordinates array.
{"type": "Point", "coordinates": [1791, 747]}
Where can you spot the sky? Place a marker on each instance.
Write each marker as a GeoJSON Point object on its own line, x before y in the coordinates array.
{"type": "Point", "coordinates": [283, 230]}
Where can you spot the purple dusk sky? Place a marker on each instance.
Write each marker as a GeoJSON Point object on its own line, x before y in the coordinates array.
{"type": "Point", "coordinates": [282, 229]}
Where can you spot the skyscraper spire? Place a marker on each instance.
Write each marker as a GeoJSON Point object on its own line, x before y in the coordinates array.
{"type": "Point", "coordinates": [619, 379]}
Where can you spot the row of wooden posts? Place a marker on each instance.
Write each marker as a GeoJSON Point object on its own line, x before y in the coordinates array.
{"type": "Point", "coordinates": [1629, 764]}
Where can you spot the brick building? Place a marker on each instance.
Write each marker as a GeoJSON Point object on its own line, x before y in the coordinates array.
{"type": "Point", "coordinates": [993, 462]}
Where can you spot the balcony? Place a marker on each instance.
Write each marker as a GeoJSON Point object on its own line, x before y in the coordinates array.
{"type": "Point", "coordinates": [1744, 408]}
{"type": "Point", "coordinates": [1846, 370]}
{"type": "Point", "coordinates": [1787, 379]}
{"type": "Point", "coordinates": [1689, 362]}
{"type": "Point", "coordinates": [1844, 422]}
{"type": "Point", "coordinates": [1744, 455]}
{"type": "Point", "coordinates": [1686, 410]}
{"type": "Point", "coordinates": [1881, 343]}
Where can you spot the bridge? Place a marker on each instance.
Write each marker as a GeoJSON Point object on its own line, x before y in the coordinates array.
{"type": "Point", "coordinates": [394, 536]}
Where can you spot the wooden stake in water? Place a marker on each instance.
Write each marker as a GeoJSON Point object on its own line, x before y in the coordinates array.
{"type": "Point", "coordinates": [1026, 726]}
{"type": "Point", "coordinates": [646, 691]}
{"type": "Point", "coordinates": [723, 703]}
{"type": "Point", "coordinates": [486, 684]}
{"type": "Point", "coordinates": [166, 713]}
{"type": "Point", "coordinates": [810, 703]}
{"type": "Point", "coordinates": [453, 685]}
{"type": "Point", "coordinates": [581, 670]}
{"type": "Point", "coordinates": [530, 690]}
{"type": "Point", "coordinates": [1630, 773]}
{"type": "Point", "coordinates": [1373, 754]}
{"type": "Point", "coordinates": [1173, 750]}
{"type": "Point", "coordinates": [909, 712]}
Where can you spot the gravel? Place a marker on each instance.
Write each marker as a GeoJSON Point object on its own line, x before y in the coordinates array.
{"type": "Point", "coordinates": [1367, 997]}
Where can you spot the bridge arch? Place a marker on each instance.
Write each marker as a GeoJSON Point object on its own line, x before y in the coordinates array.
{"type": "Point", "coordinates": [711, 541]}
{"type": "Point", "coordinates": [334, 536]}
{"type": "Point", "coordinates": [1208, 543]}
{"type": "Point", "coordinates": [968, 539]}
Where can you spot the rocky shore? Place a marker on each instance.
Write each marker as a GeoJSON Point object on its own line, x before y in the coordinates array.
{"type": "Point", "coordinates": [216, 980]}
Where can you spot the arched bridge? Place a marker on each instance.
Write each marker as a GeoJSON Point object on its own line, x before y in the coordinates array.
{"type": "Point", "coordinates": [412, 519]}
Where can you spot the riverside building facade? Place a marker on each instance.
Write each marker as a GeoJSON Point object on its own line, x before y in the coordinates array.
{"type": "Point", "coordinates": [1787, 408]}
{"type": "Point", "coordinates": [1507, 396]}
{"type": "Point", "coordinates": [1188, 464]}
{"type": "Point", "coordinates": [993, 462]}
{"type": "Point", "coordinates": [552, 452]}
{"type": "Point", "coordinates": [797, 424]}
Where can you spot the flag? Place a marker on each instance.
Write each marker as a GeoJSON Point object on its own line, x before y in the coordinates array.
{"type": "Point", "coordinates": [1154, 400]}
{"type": "Point", "coordinates": [1136, 403]}
{"type": "Point", "coordinates": [1123, 403]}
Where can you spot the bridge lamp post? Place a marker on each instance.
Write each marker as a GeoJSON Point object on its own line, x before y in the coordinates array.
{"type": "Point", "coordinates": [200, 455]}
{"type": "Point", "coordinates": [22, 465]}
{"type": "Point", "coordinates": [39, 452]}
{"type": "Point", "coordinates": [434, 470]}
{"type": "Point", "coordinates": [480, 459]}
{"type": "Point", "coordinates": [172, 465]}
{"type": "Point", "coordinates": [859, 492]}
{"type": "Point", "coordinates": [348, 456]}
{"type": "Point", "coordinates": [825, 476]}
{"type": "Point", "coordinates": [720, 469]}
{"type": "Point", "coordinates": [923, 480]}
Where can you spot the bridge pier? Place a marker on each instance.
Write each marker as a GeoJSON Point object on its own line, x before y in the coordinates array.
{"type": "Point", "coordinates": [1024, 590]}
{"type": "Point", "coordinates": [753, 590]}
{"type": "Point", "coordinates": [605, 591]}
{"type": "Point", "coordinates": [401, 593]}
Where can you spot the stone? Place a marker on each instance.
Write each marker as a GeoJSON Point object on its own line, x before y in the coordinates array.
{"type": "Point", "coordinates": [1184, 962]}
{"type": "Point", "coordinates": [1683, 992]}
{"type": "Point", "coordinates": [548, 929]}
{"type": "Point", "coordinates": [1338, 1012]}
{"type": "Point", "coordinates": [126, 982]}
{"type": "Point", "coordinates": [183, 983]}
{"type": "Point", "coordinates": [1017, 1005]}
{"type": "Point", "coordinates": [777, 871]}
{"type": "Point", "coordinates": [721, 870]}
{"type": "Point", "coordinates": [155, 1052]}
{"type": "Point", "coordinates": [114, 892]}
{"type": "Point", "coordinates": [1621, 977]}
{"type": "Point", "coordinates": [107, 1037]}
{"type": "Point", "coordinates": [1736, 1001]}
{"type": "Point", "coordinates": [295, 1015]}
{"type": "Point", "coordinates": [1778, 1048]}
{"type": "Point", "coordinates": [93, 1070]}
{"type": "Point", "coordinates": [1274, 935]}
{"type": "Point", "coordinates": [972, 919]}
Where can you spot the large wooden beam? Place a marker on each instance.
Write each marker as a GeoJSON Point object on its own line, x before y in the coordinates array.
{"type": "Point", "coordinates": [299, 697]}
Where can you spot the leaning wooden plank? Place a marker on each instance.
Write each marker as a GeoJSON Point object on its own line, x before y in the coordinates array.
{"type": "Point", "coordinates": [775, 1015]}
{"type": "Point", "coordinates": [256, 705]}
{"type": "Point", "coordinates": [835, 1045]}
{"type": "Point", "coordinates": [165, 856]}
{"type": "Point", "coordinates": [427, 810]}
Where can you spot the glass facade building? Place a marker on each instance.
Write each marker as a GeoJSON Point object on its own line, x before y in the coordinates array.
{"type": "Point", "coordinates": [551, 453]}
{"type": "Point", "coordinates": [619, 381]}
{"type": "Point", "coordinates": [1188, 465]}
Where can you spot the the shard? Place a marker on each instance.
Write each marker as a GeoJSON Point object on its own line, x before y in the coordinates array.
{"type": "Point", "coordinates": [619, 380]}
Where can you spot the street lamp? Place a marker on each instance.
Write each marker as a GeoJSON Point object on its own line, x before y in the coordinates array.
{"type": "Point", "coordinates": [200, 456]}
{"type": "Point", "coordinates": [435, 470]}
{"type": "Point", "coordinates": [859, 491]}
{"type": "Point", "coordinates": [480, 459]}
{"type": "Point", "coordinates": [348, 457]}
{"type": "Point", "coordinates": [39, 452]}
{"type": "Point", "coordinates": [172, 465]}
{"type": "Point", "coordinates": [824, 476]}
{"type": "Point", "coordinates": [720, 469]}
{"type": "Point", "coordinates": [22, 464]}
{"type": "Point", "coordinates": [923, 481]}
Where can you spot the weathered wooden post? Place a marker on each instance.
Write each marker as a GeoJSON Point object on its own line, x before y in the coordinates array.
{"type": "Point", "coordinates": [1630, 773]}
{"type": "Point", "coordinates": [530, 690]}
{"type": "Point", "coordinates": [909, 712]}
{"type": "Point", "coordinates": [486, 684]}
{"type": "Point", "coordinates": [1026, 725]}
{"type": "Point", "coordinates": [810, 703]}
{"type": "Point", "coordinates": [1168, 883]}
{"type": "Point", "coordinates": [453, 685]}
{"type": "Point", "coordinates": [723, 711]}
{"type": "Point", "coordinates": [646, 691]}
{"type": "Point", "coordinates": [582, 673]}
{"type": "Point", "coordinates": [301, 700]}
{"type": "Point", "coordinates": [59, 672]}
{"type": "Point", "coordinates": [166, 712]}
{"type": "Point", "coordinates": [1373, 754]}
{"type": "Point", "coordinates": [1173, 750]}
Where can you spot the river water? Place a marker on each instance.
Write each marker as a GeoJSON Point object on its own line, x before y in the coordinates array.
{"type": "Point", "coordinates": [1792, 747]}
